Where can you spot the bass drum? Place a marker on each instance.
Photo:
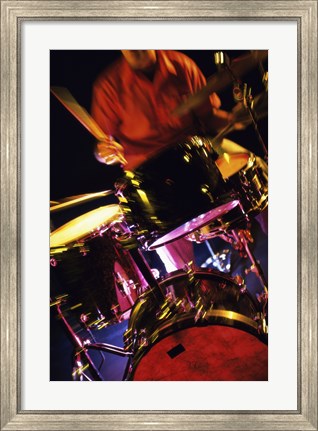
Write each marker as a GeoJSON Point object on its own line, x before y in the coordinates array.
{"type": "Point", "coordinates": [209, 328]}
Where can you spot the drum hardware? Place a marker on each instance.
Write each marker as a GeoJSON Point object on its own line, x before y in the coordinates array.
{"type": "Point", "coordinates": [147, 273]}
{"type": "Point", "coordinates": [243, 94]}
{"type": "Point", "coordinates": [125, 287]}
{"type": "Point", "coordinates": [76, 339]}
{"type": "Point", "coordinates": [238, 237]}
{"type": "Point", "coordinates": [189, 229]}
{"type": "Point", "coordinates": [109, 348]}
{"type": "Point", "coordinates": [56, 253]}
{"type": "Point", "coordinates": [220, 81]}
{"type": "Point", "coordinates": [231, 215]}
{"type": "Point", "coordinates": [130, 240]}
{"type": "Point", "coordinates": [244, 237]}
{"type": "Point", "coordinates": [248, 103]}
{"type": "Point", "coordinates": [220, 260]}
{"type": "Point", "coordinates": [247, 175]}
{"type": "Point", "coordinates": [83, 360]}
{"type": "Point", "coordinates": [79, 368]}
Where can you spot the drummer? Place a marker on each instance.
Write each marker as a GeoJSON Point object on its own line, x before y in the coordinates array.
{"type": "Point", "coordinates": [133, 102]}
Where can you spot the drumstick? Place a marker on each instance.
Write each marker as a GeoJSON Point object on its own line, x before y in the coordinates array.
{"type": "Point", "coordinates": [225, 131]}
{"type": "Point", "coordinates": [80, 113]}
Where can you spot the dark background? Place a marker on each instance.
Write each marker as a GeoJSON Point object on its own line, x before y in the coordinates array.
{"type": "Point", "coordinates": [73, 168]}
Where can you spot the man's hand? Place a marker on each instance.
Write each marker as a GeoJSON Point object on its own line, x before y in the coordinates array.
{"type": "Point", "coordinates": [110, 152]}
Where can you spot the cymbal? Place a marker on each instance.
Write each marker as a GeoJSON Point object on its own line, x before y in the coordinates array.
{"type": "Point", "coordinates": [72, 201]}
{"type": "Point", "coordinates": [84, 225]}
{"type": "Point", "coordinates": [220, 80]}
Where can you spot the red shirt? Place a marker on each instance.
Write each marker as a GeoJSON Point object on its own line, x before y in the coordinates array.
{"type": "Point", "coordinates": [137, 111]}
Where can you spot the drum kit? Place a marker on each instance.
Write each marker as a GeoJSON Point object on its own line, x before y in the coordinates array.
{"type": "Point", "coordinates": [194, 323]}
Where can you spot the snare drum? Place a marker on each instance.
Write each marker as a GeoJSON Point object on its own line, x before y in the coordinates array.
{"type": "Point", "coordinates": [209, 328]}
{"type": "Point", "coordinates": [174, 187]}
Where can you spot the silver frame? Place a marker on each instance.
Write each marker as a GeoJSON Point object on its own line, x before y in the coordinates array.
{"type": "Point", "coordinates": [12, 14]}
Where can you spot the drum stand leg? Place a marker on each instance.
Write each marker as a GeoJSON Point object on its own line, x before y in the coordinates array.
{"type": "Point", "coordinates": [77, 340]}
{"type": "Point", "coordinates": [216, 261]}
{"type": "Point", "coordinates": [240, 237]}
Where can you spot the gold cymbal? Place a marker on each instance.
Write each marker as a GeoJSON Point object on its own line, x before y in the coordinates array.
{"type": "Point", "coordinates": [86, 224]}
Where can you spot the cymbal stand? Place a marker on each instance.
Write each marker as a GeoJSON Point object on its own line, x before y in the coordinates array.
{"type": "Point", "coordinates": [242, 237]}
{"type": "Point", "coordinates": [248, 104]}
{"type": "Point", "coordinates": [239, 239]}
{"type": "Point", "coordinates": [241, 93]}
{"type": "Point", "coordinates": [132, 243]}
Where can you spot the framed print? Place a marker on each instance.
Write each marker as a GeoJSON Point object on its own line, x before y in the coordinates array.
{"type": "Point", "coordinates": [40, 42]}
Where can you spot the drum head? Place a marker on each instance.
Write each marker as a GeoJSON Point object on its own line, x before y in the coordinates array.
{"type": "Point", "coordinates": [230, 164]}
{"type": "Point", "coordinates": [85, 225]}
{"type": "Point", "coordinates": [211, 353]}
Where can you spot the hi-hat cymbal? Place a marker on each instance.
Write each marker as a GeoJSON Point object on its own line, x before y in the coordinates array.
{"type": "Point", "coordinates": [72, 201]}
{"type": "Point", "coordinates": [220, 80]}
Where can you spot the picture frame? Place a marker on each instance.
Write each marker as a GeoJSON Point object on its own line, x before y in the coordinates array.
{"type": "Point", "coordinates": [13, 13]}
